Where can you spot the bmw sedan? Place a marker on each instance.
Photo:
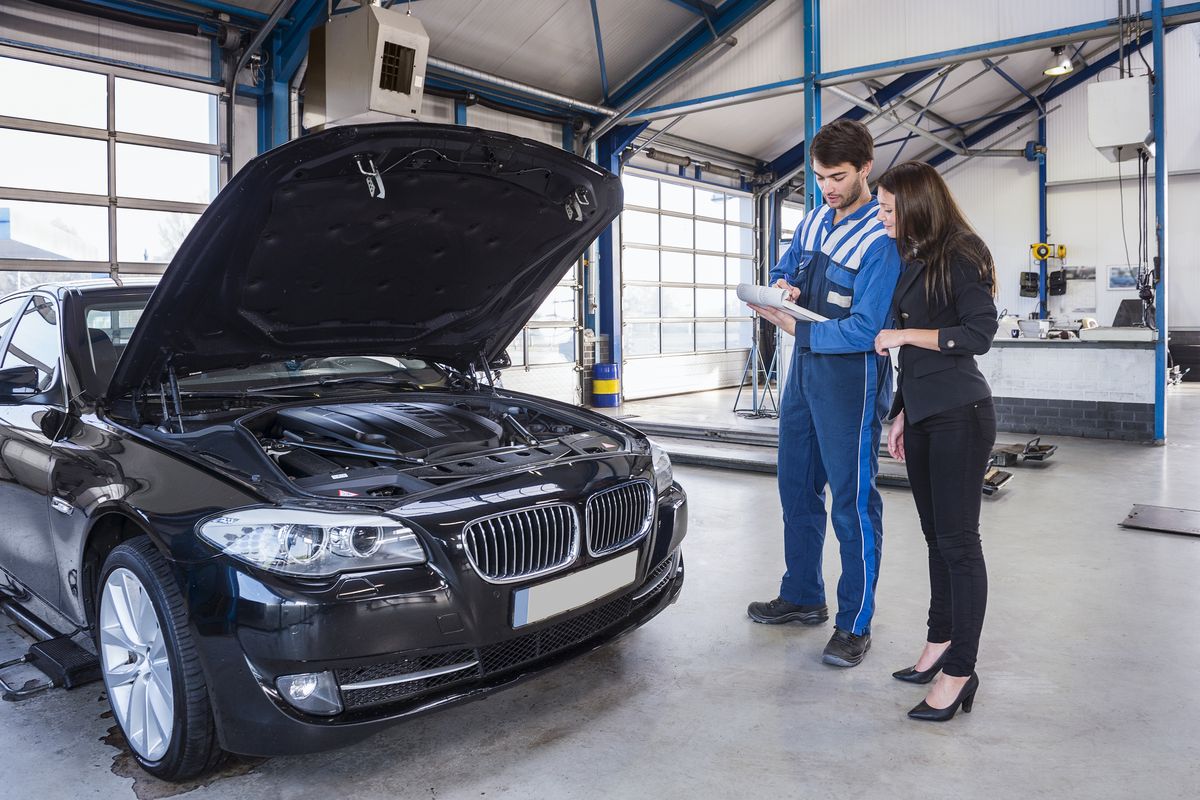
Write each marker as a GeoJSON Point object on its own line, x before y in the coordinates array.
{"type": "Point", "coordinates": [280, 496]}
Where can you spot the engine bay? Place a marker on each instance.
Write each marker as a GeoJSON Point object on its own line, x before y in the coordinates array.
{"type": "Point", "coordinates": [393, 448]}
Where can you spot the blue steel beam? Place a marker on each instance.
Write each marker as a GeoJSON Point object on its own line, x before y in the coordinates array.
{"type": "Point", "coordinates": [600, 50]}
{"type": "Point", "coordinates": [726, 18]}
{"type": "Point", "coordinates": [1035, 105]}
{"type": "Point", "coordinates": [696, 7]}
{"type": "Point", "coordinates": [1159, 33]}
{"type": "Point", "coordinates": [1043, 221]}
{"type": "Point", "coordinates": [667, 108]}
{"type": "Point", "coordinates": [812, 94]}
{"type": "Point", "coordinates": [608, 155]}
{"type": "Point", "coordinates": [1175, 15]}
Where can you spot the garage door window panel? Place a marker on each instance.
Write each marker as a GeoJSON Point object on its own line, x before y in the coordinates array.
{"type": "Point", "coordinates": [52, 163]}
{"type": "Point", "coordinates": [165, 111]}
{"type": "Point", "coordinates": [156, 173]}
{"type": "Point", "coordinates": [88, 92]}
{"type": "Point", "coordinates": [56, 231]}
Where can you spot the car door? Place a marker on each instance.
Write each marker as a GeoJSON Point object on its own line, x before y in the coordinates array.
{"type": "Point", "coordinates": [27, 549]}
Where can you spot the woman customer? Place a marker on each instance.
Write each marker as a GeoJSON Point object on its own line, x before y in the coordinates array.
{"type": "Point", "coordinates": [944, 424]}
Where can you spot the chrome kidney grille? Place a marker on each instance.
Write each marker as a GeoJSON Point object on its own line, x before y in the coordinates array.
{"type": "Point", "coordinates": [618, 517]}
{"type": "Point", "coordinates": [524, 544]}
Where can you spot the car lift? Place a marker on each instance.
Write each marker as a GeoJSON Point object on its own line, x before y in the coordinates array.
{"type": "Point", "coordinates": [60, 658]}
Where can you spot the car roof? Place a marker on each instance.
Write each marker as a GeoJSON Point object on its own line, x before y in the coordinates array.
{"type": "Point", "coordinates": [59, 288]}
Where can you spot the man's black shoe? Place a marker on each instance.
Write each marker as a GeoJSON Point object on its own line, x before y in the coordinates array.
{"type": "Point", "coordinates": [779, 610]}
{"type": "Point", "coordinates": [845, 649]}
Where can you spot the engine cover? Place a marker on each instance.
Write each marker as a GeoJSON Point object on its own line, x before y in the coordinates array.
{"type": "Point", "coordinates": [417, 430]}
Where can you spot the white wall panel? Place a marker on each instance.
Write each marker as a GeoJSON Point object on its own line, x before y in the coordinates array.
{"type": "Point", "coordinates": [999, 197]}
{"type": "Point", "coordinates": [1072, 156]}
{"type": "Point", "coordinates": [768, 50]}
{"type": "Point", "coordinates": [869, 31]}
{"type": "Point", "coordinates": [547, 132]}
{"type": "Point", "coordinates": [92, 36]}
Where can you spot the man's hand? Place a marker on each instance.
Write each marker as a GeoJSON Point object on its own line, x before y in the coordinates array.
{"type": "Point", "coordinates": [889, 339]}
{"type": "Point", "coordinates": [785, 321]}
{"type": "Point", "coordinates": [896, 438]}
{"type": "Point", "coordinates": [793, 292]}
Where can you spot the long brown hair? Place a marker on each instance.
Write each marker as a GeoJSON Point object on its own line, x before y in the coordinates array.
{"type": "Point", "coordinates": [930, 226]}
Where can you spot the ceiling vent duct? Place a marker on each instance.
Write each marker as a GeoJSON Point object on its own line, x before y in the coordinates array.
{"type": "Point", "coordinates": [366, 66]}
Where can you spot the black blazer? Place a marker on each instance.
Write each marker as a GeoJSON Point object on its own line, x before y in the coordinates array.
{"type": "Point", "coordinates": [932, 381]}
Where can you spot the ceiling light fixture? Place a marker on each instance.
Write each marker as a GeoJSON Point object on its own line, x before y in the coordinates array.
{"type": "Point", "coordinates": [1059, 63]}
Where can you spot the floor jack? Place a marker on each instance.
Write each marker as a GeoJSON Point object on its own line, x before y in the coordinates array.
{"type": "Point", "coordinates": [1033, 450]}
{"type": "Point", "coordinates": [60, 659]}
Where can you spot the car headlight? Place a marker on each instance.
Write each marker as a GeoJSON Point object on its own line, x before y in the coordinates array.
{"type": "Point", "coordinates": [662, 468]}
{"type": "Point", "coordinates": [312, 544]}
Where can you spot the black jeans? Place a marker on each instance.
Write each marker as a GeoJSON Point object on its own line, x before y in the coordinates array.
{"type": "Point", "coordinates": [946, 456]}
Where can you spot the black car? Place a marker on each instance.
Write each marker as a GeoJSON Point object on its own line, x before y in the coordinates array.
{"type": "Point", "coordinates": [279, 493]}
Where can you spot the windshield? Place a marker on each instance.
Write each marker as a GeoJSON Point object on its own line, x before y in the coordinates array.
{"type": "Point", "coordinates": [110, 322]}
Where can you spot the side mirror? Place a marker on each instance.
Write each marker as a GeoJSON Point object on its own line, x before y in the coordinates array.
{"type": "Point", "coordinates": [17, 383]}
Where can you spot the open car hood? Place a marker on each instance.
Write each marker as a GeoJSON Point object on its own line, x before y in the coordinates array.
{"type": "Point", "coordinates": [432, 241]}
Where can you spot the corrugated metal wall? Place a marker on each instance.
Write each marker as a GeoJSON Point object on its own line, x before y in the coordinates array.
{"type": "Point", "coordinates": [869, 31]}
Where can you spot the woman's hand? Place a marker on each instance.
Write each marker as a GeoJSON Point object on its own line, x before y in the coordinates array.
{"type": "Point", "coordinates": [888, 339]}
{"type": "Point", "coordinates": [896, 438]}
{"type": "Point", "coordinates": [784, 320]}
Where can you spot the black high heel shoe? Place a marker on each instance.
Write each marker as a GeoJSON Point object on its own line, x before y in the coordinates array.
{"type": "Point", "coordinates": [966, 698]}
{"type": "Point", "coordinates": [911, 675]}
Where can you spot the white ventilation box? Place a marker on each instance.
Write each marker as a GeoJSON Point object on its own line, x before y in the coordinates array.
{"type": "Point", "coordinates": [365, 66]}
{"type": "Point", "coordinates": [1120, 123]}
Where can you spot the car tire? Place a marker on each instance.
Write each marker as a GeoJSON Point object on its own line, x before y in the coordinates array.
{"type": "Point", "coordinates": [151, 670]}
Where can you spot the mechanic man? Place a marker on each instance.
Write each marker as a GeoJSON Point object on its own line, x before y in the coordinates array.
{"type": "Point", "coordinates": [842, 265]}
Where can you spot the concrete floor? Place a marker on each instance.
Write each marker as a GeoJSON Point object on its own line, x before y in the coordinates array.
{"type": "Point", "coordinates": [1088, 668]}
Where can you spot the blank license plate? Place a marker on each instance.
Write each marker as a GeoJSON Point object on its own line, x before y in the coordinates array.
{"type": "Point", "coordinates": [545, 600]}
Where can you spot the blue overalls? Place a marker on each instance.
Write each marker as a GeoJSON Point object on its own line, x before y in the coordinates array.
{"type": "Point", "coordinates": [830, 418]}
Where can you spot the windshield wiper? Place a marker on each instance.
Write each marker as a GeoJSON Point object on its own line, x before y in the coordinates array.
{"type": "Point", "coordinates": [322, 382]}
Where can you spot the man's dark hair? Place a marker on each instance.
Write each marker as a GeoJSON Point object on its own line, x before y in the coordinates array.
{"type": "Point", "coordinates": [841, 141]}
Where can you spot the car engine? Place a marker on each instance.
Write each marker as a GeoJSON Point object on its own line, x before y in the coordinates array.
{"type": "Point", "coordinates": [395, 448]}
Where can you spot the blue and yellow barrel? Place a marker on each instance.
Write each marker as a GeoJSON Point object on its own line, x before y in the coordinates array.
{"type": "Point", "coordinates": [606, 386]}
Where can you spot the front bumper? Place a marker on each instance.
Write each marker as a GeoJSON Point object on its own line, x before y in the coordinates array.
{"type": "Point", "coordinates": [402, 657]}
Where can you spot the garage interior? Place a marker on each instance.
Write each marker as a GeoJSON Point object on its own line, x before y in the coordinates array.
{"type": "Point", "coordinates": [121, 120]}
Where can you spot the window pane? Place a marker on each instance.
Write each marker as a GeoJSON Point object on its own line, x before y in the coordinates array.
{"type": "Point", "coordinates": [54, 163]}
{"type": "Point", "coordinates": [677, 232]}
{"type": "Point", "coordinates": [739, 270]}
{"type": "Point", "coordinates": [678, 302]}
{"type": "Point", "coordinates": [710, 204]}
{"type": "Point", "coordinates": [737, 334]}
{"type": "Point", "coordinates": [791, 216]}
{"type": "Point", "coordinates": [35, 342]}
{"type": "Point", "coordinates": [640, 227]}
{"type": "Point", "coordinates": [639, 265]}
{"type": "Point", "coordinates": [159, 174]}
{"type": "Point", "coordinates": [677, 337]}
{"type": "Point", "coordinates": [151, 235]}
{"type": "Point", "coordinates": [739, 209]}
{"type": "Point", "coordinates": [710, 302]}
{"type": "Point", "coordinates": [166, 111]}
{"type": "Point", "coordinates": [677, 267]}
{"type": "Point", "coordinates": [641, 339]}
{"type": "Point", "coordinates": [677, 197]}
{"type": "Point", "coordinates": [738, 240]}
{"type": "Point", "coordinates": [516, 350]}
{"type": "Point", "coordinates": [551, 345]}
{"type": "Point", "coordinates": [38, 91]}
{"type": "Point", "coordinates": [710, 236]}
{"type": "Point", "coordinates": [558, 307]}
{"type": "Point", "coordinates": [640, 191]}
{"type": "Point", "coordinates": [16, 281]}
{"type": "Point", "coordinates": [8, 310]}
{"type": "Point", "coordinates": [710, 269]}
{"type": "Point", "coordinates": [640, 301]}
{"type": "Point", "coordinates": [55, 231]}
{"type": "Point", "coordinates": [735, 306]}
{"type": "Point", "coordinates": [710, 336]}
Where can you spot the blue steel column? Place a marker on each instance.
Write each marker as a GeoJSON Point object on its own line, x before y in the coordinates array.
{"type": "Point", "coordinates": [608, 291]}
{"type": "Point", "coordinates": [1160, 222]}
{"type": "Point", "coordinates": [812, 94]}
{"type": "Point", "coordinates": [1043, 231]}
